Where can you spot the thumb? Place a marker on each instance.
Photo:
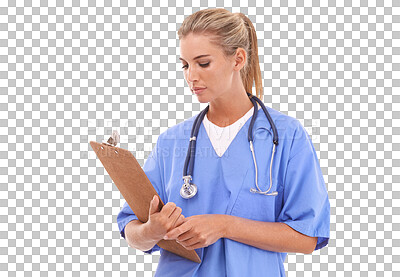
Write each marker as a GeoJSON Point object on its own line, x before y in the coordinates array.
{"type": "Point", "coordinates": [153, 205]}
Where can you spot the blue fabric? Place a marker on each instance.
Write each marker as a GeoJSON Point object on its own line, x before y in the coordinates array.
{"type": "Point", "coordinates": [224, 188]}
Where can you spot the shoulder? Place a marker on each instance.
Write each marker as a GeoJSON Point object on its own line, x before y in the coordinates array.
{"type": "Point", "coordinates": [292, 134]}
{"type": "Point", "coordinates": [180, 131]}
{"type": "Point", "coordinates": [283, 120]}
{"type": "Point", "coordinates": [286, 125]}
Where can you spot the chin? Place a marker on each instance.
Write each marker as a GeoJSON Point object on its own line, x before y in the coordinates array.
{"type": "Point", "coordinates": [202, 98]}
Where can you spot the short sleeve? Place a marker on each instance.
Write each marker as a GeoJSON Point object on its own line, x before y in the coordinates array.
{"type": "Point", "coordinates": [306, 206]}
{"type": "Point", "coordinates": [153, 171]}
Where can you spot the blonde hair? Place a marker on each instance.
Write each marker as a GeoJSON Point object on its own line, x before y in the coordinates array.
{"type": "Point", "coordinates": [229, 31]}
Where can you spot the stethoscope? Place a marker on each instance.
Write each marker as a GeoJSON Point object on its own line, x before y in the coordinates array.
{"type": "Point", "coordinates": [189, 189]}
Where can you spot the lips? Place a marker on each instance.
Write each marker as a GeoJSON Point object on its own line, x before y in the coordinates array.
{"type": "Point", "coordinates": [198, 90]}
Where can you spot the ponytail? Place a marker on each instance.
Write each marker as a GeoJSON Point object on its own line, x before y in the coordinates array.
{"type": "Point", "coordinates": [252, 71]}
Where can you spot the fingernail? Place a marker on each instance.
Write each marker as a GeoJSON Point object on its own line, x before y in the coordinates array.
{"type": "Point", "coordinates": [166, 237]}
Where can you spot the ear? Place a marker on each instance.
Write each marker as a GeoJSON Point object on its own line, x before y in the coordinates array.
{"type": "Point", "coordinates": [240, 59]}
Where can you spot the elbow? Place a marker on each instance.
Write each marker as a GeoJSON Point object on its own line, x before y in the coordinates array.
{"type": "Point", "coordinates": [312, 243]}
{"type": "Point", "coordinates": [308, 252]}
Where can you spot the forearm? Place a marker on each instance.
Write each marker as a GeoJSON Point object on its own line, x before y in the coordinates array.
{"type": "Point", "coordinates": [271, 236]}
{"type": "Point", "coordinates": [136, 236]}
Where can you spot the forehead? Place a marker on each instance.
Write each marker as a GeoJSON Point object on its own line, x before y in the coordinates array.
{"type": "Point", "coordinates": [194, 45]}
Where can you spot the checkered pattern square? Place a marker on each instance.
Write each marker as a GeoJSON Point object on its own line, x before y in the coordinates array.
{"type": "Point", "coordinates": [73, 71]}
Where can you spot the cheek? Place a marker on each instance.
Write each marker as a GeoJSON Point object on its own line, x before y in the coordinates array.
{"type": "Point", "coordinates": [222, 78]}
{"type": "Point", "coordinates": [218, 76]}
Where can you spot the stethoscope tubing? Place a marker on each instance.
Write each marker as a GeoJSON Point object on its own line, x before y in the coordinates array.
{"type": "Point", "coordinates": [271, 122]}
{"type": "Point", "coordinates": [189, 190]}
{"type": "Point", "coordinates": [189, 161]}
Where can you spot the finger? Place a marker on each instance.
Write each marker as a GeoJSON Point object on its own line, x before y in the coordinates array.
{"type": "Point", "coordinates": [176, 232]}
{"type": "Point", "coordinates": [175, 216]}
{"type": "Point", "coordinates": [194, 246]}
{"type": "Point", "coordinates": [185, 237]}
{"type": "Point", "coordinates": [153, 205]}
{"type": "Point", "coordinates": [168, 209]}
{"type": "Point", "coordinates": [188, 241]}
{"type": "Point", "coordinates": [180, 221]}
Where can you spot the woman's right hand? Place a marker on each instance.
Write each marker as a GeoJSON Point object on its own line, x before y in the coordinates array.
{"type": "Point", "coordinates": [161, 222]}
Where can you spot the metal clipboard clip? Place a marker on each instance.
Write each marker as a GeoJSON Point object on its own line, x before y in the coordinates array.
{"type": "Point", "coordinates": [113, 140]}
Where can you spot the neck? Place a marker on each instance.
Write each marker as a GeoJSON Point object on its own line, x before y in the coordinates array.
{"type": "Point", "coordinates": [225, 111]}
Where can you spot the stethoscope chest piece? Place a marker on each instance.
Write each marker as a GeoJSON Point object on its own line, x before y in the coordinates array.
{"type": "Point", "coordinates": [188, 190]}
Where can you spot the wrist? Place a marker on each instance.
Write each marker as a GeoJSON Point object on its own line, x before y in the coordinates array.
{"type": "Point", "coordinates": [147, 240]}
{"type": "Point", "coordinates": [225, 219]}
{"type": "Point", "coordinates": [148, 234]}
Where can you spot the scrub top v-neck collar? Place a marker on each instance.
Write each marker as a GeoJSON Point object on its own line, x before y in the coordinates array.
{"type": "Point", "coordinates": [240, 121]}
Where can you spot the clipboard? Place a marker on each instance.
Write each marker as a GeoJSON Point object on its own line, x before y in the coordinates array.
{"type": "Point", "coordinates": [136, 188]}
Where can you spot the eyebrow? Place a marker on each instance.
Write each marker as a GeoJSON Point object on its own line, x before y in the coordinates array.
{"type": "Point", "coordinates": [198, 57]}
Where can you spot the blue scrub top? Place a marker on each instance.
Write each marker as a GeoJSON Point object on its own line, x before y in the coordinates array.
{"type": "Point", "coordinates": [224, 185]}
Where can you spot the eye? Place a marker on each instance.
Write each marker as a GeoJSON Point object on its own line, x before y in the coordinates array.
{"type": "Point", "coordinates": [202, 65]}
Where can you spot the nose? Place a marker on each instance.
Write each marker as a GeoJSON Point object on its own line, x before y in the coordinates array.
{"type": "Point", "coordinates": [191, 75]}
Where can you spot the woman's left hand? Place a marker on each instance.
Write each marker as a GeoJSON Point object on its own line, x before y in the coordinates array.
{"type": "Point", "coordinates": [198, 231]}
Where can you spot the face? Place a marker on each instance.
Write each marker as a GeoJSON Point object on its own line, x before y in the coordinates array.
{"type": "Point", "coordinates": [205, 66]}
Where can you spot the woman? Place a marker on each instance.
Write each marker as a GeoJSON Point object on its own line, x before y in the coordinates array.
{"type": "Point", "coordinates": [236, 230]}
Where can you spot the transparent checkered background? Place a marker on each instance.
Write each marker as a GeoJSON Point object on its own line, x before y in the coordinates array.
{"type": "Point", "coordinates": [72, 71]}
